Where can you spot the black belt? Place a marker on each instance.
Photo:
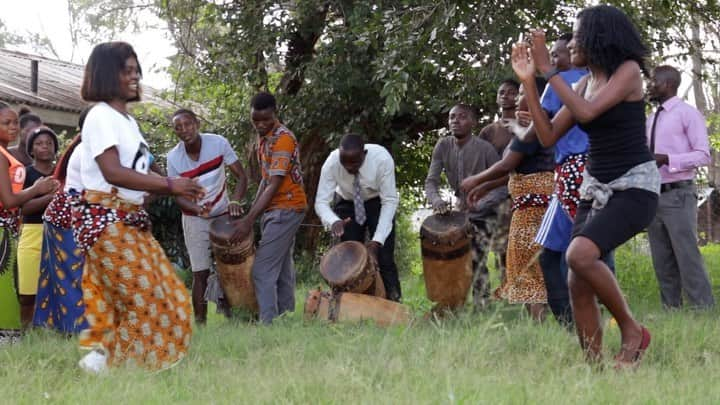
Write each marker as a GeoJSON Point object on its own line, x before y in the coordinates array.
{"type": "Point", "coordinates": [678, 184]}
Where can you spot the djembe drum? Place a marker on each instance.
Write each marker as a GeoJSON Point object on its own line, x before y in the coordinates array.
{"type": "Point", "coordinates": [234, 264]}
{"type": "Point", "coordinates": [351, 307]}
{"type": "Point", "coordinates": [348, 267]}
{"type": "Point", "coordinates": [447, 261]}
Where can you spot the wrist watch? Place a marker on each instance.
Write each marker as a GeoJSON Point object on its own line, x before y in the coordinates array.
{"type": "Point", "coordinates": [550, 73]}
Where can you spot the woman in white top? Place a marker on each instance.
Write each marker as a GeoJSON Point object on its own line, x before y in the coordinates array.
{"type": "Point", "coordinates": [137, 309]}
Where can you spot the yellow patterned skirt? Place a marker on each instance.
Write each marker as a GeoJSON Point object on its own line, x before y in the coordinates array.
{"type": "Point", "coordinates": [524, 282]}
{"type": "Point", "coordinates": [138, 310]}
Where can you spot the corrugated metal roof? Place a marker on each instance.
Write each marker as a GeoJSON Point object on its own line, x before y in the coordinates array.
{"type": "Point", "coordinates": [58, 83]}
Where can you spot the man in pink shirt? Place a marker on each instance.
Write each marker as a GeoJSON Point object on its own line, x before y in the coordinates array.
{"type": "Point", "coordinates": [678, 137]}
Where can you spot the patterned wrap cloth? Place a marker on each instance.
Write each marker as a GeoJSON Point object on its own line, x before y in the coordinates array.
{"type": "Point", "coordinates": [137, 308]}
{"type": "Point", "coordinates": [59, 304]}
{"type": "Point", "coordinates": [524, 283]}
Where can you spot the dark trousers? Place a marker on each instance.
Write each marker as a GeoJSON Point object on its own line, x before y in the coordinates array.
{"type": "Point", "coordinates": [361, 233]}
{"type": "Point", "coordinates": [679, 266]}
{"type": "Point", "coordinates": [555, 273]}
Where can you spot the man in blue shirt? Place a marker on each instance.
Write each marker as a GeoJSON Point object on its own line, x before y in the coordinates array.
{"type": "Point", "coordinates": [570, 158]}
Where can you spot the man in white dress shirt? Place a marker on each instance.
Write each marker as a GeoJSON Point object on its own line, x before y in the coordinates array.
{"type": "Point", "coordinates": [360, 178]}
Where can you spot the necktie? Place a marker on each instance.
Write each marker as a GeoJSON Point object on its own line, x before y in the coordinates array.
{"type": "Point", "coordinates": [652, 130]}
{"type": "Point", "coordinates": [360, 215]}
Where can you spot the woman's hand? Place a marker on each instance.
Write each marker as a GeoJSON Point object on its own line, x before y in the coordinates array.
{"type": "Point", "coordinates": [539, 51]}
{"type": "Point", "coordinates": [45, 185]}
{"type": "Point", "coordinates": [524, 118]}
{"type": "Point", "coordinates": [467, 184]}
{"type": "Point", "coordinates": [185, 187]}
{"type": "Point", "coordinates": [522, 62]}
{"type": "Point", "coordinates": [476, 194]}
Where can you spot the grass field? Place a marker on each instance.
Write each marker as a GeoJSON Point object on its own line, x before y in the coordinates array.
{"type": "Point", "coordinates": [499, 356]}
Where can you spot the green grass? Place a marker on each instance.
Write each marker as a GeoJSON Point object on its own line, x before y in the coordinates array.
{"type": "Point", "coordinates": [499, 356]}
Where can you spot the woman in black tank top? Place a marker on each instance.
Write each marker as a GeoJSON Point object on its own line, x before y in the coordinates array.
{"type": "Point", "coordinates": [609, 107]}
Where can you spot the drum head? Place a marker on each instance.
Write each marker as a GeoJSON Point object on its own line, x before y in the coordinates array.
{"type": "Point", "coordinates": [442, 224]}
{"type": "Point", "coordinates": [344, 261]}
{"type": "Point", "coordinates": [221, 229]}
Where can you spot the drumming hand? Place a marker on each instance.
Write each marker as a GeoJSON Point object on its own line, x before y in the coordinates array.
{"type": "Point", "coordinates": [204, 210]}
{"type": "Point", "coordinates": [441, 207]}
{"type": "Point", "coordinates": [235, 209]}
{"type": "Point", "coordinates": [338, 227]}
{"type": "Point", "coordinates": [241, 231]}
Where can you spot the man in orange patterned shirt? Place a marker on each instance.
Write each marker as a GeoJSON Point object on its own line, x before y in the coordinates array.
{"type": "Point", "coordinates": [281, 204]}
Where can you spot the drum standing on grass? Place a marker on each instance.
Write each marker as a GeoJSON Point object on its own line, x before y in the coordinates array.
{"type": "Point", "coordinates": [234, 264]}
{"type": "Point", "coordinates": [351, 307]}
{"type": "Point", "coordinates": [447, 260]}
{"type": "Point", "coordinates": [348, 267]}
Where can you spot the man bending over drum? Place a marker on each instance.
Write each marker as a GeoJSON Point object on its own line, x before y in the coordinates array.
{"type": "Point", "coordinates": [362, 177]}
{"type": "Point", "coordinates": [281, 201]}
{"type": "Point", "coordinates": [203, 157]}
{"type": "Point", "coordinates": [460, 156]}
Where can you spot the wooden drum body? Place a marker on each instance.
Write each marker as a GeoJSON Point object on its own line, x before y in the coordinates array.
{"type": "Point", "coordinates": [348, 267]}
{"type": "Point", "coordinates": [447, 259]}
{"type": "Point", "coordinates": [234, 264]}
{"type": "Point", "coordinates": [351, 307]}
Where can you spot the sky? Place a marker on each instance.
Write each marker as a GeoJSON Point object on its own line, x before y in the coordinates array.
{"type": "Point", "coordinates": [50, 17]}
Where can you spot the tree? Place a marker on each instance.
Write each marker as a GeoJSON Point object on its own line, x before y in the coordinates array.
{"type": "Point", "coordinates": [389, 70]}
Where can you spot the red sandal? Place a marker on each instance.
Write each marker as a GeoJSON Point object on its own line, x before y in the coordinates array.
{"type": "Point", "coordinates": [637, 356]}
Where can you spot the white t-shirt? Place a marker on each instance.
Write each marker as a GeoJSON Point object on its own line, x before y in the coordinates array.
{"type": "Point", "coordinates": [73, 180]}
{"type": "Point", "coordinates": [105, 128]}
{"type": "Point", "coordinates": [209, 169]}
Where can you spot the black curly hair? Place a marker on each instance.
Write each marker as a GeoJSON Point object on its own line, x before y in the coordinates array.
{"type": "Point", "coordinates": [608, 38]}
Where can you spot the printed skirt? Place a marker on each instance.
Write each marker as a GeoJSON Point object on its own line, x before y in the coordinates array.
{"type": "Point", "coordinates": [524, 283]}
{"type": "Point", "coordinates": [9, 305]}
{"type": "Point", "coordinates": [59, 304]}
{"type": "Point", "coordinates": [137, 309]}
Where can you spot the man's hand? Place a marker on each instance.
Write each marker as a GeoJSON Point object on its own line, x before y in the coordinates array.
{"type": "Point", "coordinates": [338, 227]}
{"type": "Point", "coordinates": [661, 159]}
{"type": "Point", "coordinates": [203, 210]}
{"type": "Point", "coordinates": [373, 248]}
{"type": "Point", "coordinates": [235, 208]}
{"type": "Point", "coordinates": [441, 207]}
{"type": "Point", "coordinates": [243, 227]}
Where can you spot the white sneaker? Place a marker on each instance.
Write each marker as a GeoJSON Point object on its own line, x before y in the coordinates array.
{"type": "Point", "coordinates": [94, 362]}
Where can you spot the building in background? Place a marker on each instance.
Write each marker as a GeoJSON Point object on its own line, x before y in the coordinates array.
{"type": "Point", "coordinates": [50, 88]}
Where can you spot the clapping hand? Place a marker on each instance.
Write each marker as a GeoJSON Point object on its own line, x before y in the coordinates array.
{"type": "Point", "coordinates": [522, 61]}
{"type": "Point", "coordinates": [539, 50]}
